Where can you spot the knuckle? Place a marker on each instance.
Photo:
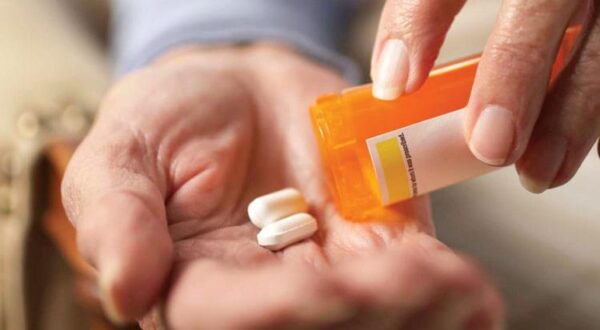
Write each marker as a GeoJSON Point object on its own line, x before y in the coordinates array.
{"type": "Point", "coordinates": [517, 56]}
{"type": "Point", "coordinates": [417, 19]}
{"type": "Point", "coordinates": [536, 8]}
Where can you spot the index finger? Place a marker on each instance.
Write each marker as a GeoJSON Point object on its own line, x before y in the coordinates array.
{"type": "Point", "coordinates": [513, 76]}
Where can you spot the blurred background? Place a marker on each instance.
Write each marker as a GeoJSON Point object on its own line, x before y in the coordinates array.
{"type": "Point", "coordinates": [543, 251]}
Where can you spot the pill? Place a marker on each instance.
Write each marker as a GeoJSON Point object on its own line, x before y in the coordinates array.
{"type": "Point", "coordinates": [275, 206]}
{"type": "Point", "coordinates": [287, 231]}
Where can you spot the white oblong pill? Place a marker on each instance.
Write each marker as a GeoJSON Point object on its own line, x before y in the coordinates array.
{"type": "Point", "coordinates": [275, 206]}
{"type": "Point", "coordinates": [287, 231]}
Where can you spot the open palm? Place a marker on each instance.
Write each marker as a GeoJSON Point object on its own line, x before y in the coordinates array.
{"type": "Point", "coordinates": [158, 192]}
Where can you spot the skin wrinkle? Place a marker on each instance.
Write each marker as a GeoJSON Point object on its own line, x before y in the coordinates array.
{"type": "Point", "coordinates": [244, 257]}
{"type": "Point", "coordinates": [209, 201]}
{"type": "Point", "coordinates": [516, 54]}
{"type": "Point", "coordinates": [166, 152]}
{"type": "Point", "coordinates": [314, 257]}
{"type": "Point", "coordinates": [190, 227]}
{"type": "Point", "coordinates": [127, 178]}
{"type": "Point", "coordinates": [126, 174]}
{"type": "Point", "coordinates": [141, 148]}
{"type": "Point", "coordinates": [367, 240]}
{"type": "Point", "coordinates": [179, 180]}
{"type": "Point", "coordinates": [517, 11]}
{"type": "Point", "coordinates": [186, 227]}
{"type": "Point", "coordinates": [212, 140]}
{"type": "Point", "coordinates": [226, 249]}
{"type": "Point", "coordinates": [222, 149]}
{"type": "Point", "coordinates": [141, 135]}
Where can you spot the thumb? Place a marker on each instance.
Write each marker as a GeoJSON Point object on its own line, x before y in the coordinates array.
{"type": "Point", "coordinates": [119, 215]}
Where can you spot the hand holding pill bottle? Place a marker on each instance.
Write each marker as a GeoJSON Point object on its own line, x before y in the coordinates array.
{"type": "Point", "coordinates": [381, 152]}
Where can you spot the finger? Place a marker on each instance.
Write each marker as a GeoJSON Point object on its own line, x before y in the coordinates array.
{"type": "Point", "coordinates": [455, 311]}
{"type": "Point", "coordinates": [420, 283]}
{"type": "Point", "coordinates": [473, 304]}
{"type": "Point", "coordinates": [121, 228]}
{"type": "Point", "coordinates": [513, 76]}
{"type": "Point", "coordinates": [569, 124]}
{"type": "Point", "coordinates": [408, 40]}
{"type": "Point", "coordinates": [211, 295]}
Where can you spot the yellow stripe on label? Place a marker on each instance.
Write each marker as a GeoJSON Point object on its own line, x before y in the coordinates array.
{"type": "Point", "coordinates": [394, 170]}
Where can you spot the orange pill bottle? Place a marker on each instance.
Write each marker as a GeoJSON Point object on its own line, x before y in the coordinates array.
{"type": "Point", "coordinates": [377, 153]}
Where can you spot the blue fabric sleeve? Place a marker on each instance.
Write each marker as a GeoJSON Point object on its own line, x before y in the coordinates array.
{"type": "Point", "coordinates": [144, 29]}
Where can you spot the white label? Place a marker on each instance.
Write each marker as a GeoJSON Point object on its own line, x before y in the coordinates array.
{"type": "Point", "coordinates": [423, 157]}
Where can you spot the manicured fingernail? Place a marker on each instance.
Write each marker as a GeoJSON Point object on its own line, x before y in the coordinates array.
{"type": "Point", "coordinates": [106, 283]}
{"type": "Point", "coordinates": [391, 71]}
{"type": "Point", "coordinates": [493, 135]}
{"type": "Point", "coordinates": [542, 162]}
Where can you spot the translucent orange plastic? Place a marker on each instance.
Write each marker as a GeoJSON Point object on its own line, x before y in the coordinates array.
{"type": "Point", "coordinates": [343, 122]}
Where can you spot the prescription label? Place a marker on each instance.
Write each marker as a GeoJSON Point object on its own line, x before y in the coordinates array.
{"type": "Point", "coordinates": [422, 157]}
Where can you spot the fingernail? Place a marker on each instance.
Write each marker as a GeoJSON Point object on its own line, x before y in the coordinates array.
{"type": "Point", "coordinates": [391, 71]}
{"type": "Point", "coordinates": [542, 163]}
{"type": "Point", "coordinates": [493, 135]}
{"type": "Point", "coordinates": [106, 283]}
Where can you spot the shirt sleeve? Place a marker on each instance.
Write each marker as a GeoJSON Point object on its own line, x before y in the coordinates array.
{"type": "Point", "coordinates": [142, 30]}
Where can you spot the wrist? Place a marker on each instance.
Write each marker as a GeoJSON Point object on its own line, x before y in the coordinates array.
{"type": "Point", "coordinates": [259, 65]}
{"type": "Point", "coordinates": [242, 54]}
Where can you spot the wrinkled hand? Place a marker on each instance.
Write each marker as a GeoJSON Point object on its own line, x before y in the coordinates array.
{"type": "Point", "coordinates": [158, 193]}
{"type": "Point", "coordinates": [510, 116]}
